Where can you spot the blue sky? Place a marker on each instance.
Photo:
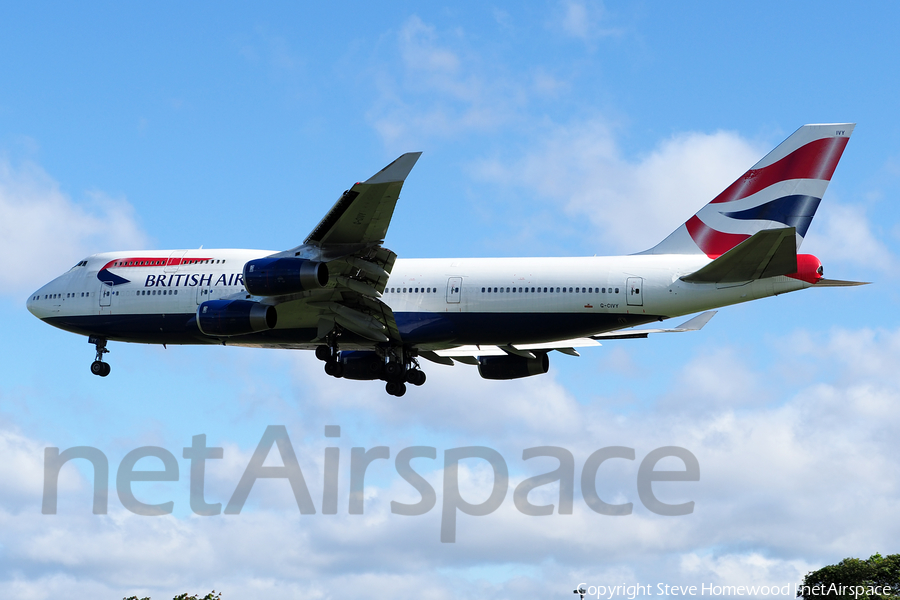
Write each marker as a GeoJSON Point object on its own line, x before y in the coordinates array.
{"type": "Point", "coordinates": [548, 129]}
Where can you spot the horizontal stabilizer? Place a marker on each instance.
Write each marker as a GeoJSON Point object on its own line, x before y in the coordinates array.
{"type": "Point", "coordinates": [839, 283]}
{"type": "Point", "coordinates": [766, 253]}
{"type": "Point", "coordinates": [695, 324]}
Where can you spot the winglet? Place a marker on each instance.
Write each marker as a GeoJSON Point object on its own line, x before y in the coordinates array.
{"type": "Point", "coordinates": [697, 323]}
{"type": "Point", "coordinates": [397, 170]}
{"type": "Point", "coordinates": [362, 214]}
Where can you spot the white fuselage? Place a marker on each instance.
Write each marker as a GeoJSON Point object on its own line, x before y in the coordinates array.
{"type": "Point", "coordinates": [152, 297]}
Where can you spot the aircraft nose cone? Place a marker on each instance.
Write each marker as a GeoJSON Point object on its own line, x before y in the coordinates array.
{"type": "Point", "coordinates": [32, 304]}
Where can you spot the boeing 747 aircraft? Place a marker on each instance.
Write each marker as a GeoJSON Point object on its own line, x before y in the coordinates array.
{"type": "Point", "coordinates": [370, 315]}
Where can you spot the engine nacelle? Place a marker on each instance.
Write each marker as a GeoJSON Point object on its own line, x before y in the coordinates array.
{"type": "Point", "coordinates": [234, 317]}
{"type": "Point", "coordinates": [512, 366]}
{"type": "Point", "coordinates": [277, 276]}
{"type": "Point", "coordinates": [362, 365]}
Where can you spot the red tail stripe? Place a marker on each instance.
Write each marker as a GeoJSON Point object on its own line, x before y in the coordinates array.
{"type": "Point", "coordinates": [713, 243]}
{"type": "Point", "coordinates": [815, 160]}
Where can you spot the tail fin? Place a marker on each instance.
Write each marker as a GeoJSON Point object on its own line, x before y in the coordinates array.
{"type": "Point", "coordinates": [782, 190]}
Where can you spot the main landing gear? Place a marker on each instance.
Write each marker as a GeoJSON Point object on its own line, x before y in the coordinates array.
{"type": "Point", "coordinates": [332, 358]}
{"type": "Point", "coordinates": [98, 367]}
{"type": "Point", "coordinates": [401, 368]}
{"type": "Point", "coordinates": [396, 365]}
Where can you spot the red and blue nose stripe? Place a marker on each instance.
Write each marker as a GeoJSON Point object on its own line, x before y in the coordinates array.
{"type": "Point", "coordinates": [107, 276]}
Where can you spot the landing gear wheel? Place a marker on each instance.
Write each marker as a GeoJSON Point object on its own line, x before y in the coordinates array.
{"type": "Point", "coordinates": [334, 368]}
{"type": "Point", "coordinates": [395, 371]}
{"type": "Point", "coordinates": [98, 367]}
{"type": "Point", "coordinates": [323, 353]}
{"type": "Point", "coordinates": [415, 377]}
{"type": "Point", "coordinates": [395, 388]}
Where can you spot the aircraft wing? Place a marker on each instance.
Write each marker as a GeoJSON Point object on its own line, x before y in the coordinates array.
{"type": "Point", "coordinates": [348, 240]}
{"type": "Point", "coordinates": [470, 354]}
{"type": "Point", "coordinates": [362, 214]}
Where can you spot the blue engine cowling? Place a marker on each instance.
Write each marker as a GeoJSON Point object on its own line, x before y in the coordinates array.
{"type": "Point", "coordinates": [277, 276]}
{"type": "Point", "coordinates": [362, 365]}
{"type": "Point", "coordinates": [512, 367]}
{"type": "Point", "coordinates": [235, 317]}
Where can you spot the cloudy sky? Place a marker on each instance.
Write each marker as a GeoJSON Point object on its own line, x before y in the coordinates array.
{"type": "Point", "coordinates": [559, 128]}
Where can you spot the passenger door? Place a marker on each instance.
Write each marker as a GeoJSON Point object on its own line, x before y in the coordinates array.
{"type": "Point", "coordinates": [454, 285]}
{"type": "Point", "coordinates": [634, 291]}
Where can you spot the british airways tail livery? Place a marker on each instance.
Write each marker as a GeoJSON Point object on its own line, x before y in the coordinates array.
{"type": "Point", "coordinates": [370, 315]}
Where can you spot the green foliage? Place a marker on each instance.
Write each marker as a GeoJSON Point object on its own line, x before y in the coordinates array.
{"type": "Point", "coordinates": [842, 580]}
{"type": "Point", "coordinates": [210, 596]}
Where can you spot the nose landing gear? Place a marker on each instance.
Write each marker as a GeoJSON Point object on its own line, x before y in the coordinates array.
{"type": "Point", "coordinates": [98, 367]}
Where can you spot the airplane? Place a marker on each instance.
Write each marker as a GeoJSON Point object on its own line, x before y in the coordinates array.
{"type": "Point", "coordinates": [370, 315]}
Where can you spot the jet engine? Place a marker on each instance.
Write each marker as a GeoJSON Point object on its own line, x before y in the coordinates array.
{"type": "Point", "coordinates": [277, 276]}
{"type": "Point", "coordinates": [234, 317]}
{"type": "Point", "coordinates": [512, 366]}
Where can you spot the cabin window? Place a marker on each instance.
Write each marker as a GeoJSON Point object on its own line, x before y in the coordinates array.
{"type": "Point", "coordinates": [617, 290]}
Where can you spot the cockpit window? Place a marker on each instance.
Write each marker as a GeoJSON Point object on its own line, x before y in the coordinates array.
{"type": "Point", "coordinates": [80, 264]}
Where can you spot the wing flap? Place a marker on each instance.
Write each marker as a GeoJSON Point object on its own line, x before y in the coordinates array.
{"type": "Point", "coordinates": [766, 253]}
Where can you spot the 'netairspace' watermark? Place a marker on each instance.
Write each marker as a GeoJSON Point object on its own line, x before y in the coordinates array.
{"type": "Point", "coordinates": [360, 459]}
{"type": "Point", "coordinates": [642, 590]}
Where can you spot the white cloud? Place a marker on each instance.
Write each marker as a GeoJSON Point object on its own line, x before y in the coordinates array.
{"type": "Point", "coordinates": [803, 477]}
{"type": "Point", "coordinates": [583, 20]}
{"type": "Point", "coordinates": [48, 232]}
{"type": "Point", "coordinates": [843, 234]}
{"type": "Point", "coordinates": [634, 203]}
{"type": "Point", "coordinates": [442, 89]}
